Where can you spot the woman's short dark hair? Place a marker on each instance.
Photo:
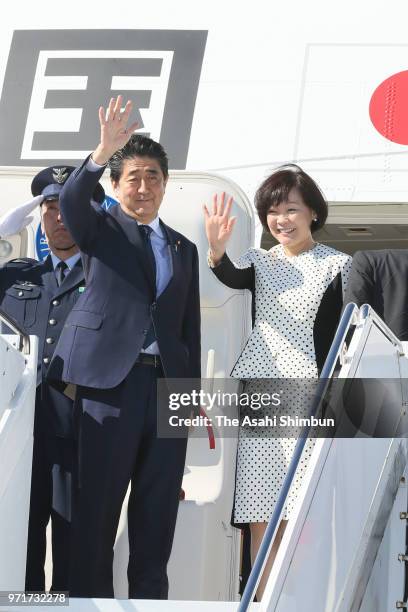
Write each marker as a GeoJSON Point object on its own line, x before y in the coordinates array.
{"type": "Point", "coordinates": [275, 189]}
{"type": "Point", "coordinates": [138, 146]}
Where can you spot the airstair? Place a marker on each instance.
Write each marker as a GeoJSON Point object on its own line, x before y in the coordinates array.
{"type": "Point", "coordinates": [18, 374]}
{"type": "Point", "coordinates": [344, 548]}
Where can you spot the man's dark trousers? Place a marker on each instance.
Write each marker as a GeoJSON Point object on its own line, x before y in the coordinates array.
{"type": "Point", "coordinates": [118, 443]}
{"type": "Point", "coordinates": [50, 497]}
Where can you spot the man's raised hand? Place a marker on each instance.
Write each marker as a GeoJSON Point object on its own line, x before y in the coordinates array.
{"type": "Point", "coordinates": [114, 129]}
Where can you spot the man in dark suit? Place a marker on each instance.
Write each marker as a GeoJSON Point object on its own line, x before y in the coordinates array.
{"type": "Point", "coordinates": [379, 278]}
{"type": "Point", "coordinates": [39, 296]}
{"type": "Point", "coordinates": [139, 320]}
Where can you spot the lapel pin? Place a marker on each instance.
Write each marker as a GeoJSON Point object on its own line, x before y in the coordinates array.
{"type": "Point", "coordinates": [176, 246]}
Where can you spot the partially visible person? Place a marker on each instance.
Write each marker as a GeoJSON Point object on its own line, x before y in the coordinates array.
{"type": "Point", "coordinates": [379, 278]}
{"type": "Point", "coordinates": [39, 296]}
{"type": "Point", "coordinates": [298, 287]}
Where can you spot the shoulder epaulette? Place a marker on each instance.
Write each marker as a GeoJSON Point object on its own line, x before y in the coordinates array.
{"type": "Point", "coordinates": [20, 262]}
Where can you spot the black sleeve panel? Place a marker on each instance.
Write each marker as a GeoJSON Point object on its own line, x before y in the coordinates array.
{"type": "Point", "coordinates": [236, 278]}
{"type": "Point", "coordinates": [327, 320]}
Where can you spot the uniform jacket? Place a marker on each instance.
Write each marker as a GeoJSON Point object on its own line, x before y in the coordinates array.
{"type": "Point", "coordinates": [105, 330]}
{"type": "Point", "coordinates": [380, 279]}
{"type": "Point", "coordinates": [30, 295]}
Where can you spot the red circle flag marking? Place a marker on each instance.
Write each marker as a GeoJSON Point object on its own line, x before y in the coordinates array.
{"type": "Point", "coordinates": [389, 108]}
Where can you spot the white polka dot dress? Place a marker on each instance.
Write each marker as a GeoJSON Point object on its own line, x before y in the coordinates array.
{"type": "Point", "coordinates": [291, 294]}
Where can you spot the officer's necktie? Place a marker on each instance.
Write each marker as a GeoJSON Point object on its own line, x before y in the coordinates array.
{"type": "Point", "coordinates": [146, 232]}
{"type": "Point", "coordinates": [60, 272]}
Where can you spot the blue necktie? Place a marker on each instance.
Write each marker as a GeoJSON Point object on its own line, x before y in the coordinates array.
{"type": "Point", "coordinates": [147, 235]}
{"type": "Point", "coordinates": [146, 232]}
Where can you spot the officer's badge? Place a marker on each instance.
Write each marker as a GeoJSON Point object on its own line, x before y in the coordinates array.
{"type": "Point", "coordinates": [60, 175]}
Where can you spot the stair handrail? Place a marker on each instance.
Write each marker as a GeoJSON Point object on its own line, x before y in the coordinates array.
{"type": "Point", "coordinates": [348, 318]}
{"type": "Point", "coordinates": [367, 311]}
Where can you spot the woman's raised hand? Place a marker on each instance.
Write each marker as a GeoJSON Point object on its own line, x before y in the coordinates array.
{"type": "Point", "coordinates": [219, 225]}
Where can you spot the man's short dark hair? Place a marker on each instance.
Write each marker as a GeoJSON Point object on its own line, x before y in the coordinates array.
{"type": "Point", "coordinates": [275, 189]}
{"type": "Point", "coordinates": [138, 146]}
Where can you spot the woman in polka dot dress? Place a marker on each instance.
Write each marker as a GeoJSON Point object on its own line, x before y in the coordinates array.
{"type": "Point", "coordinates": [298, 287]}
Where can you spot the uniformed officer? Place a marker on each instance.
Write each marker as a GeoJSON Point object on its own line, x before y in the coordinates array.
{"type": "Point", "coordinates": [39, 296]}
